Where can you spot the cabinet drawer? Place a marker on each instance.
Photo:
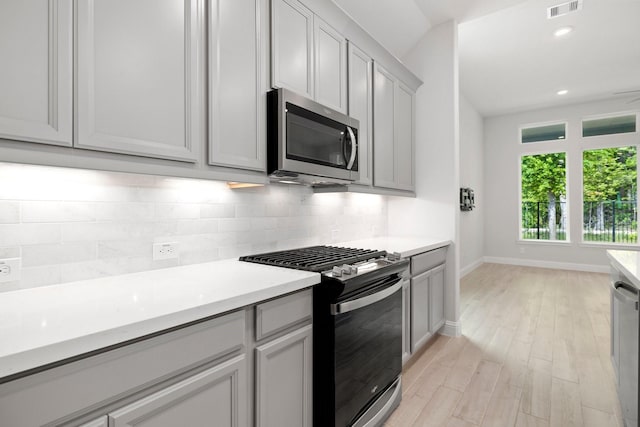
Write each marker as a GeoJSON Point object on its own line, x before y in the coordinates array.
{"type": "Point", "coordinates": [100, 379]}
{"type": "Point", "coordinates": [279, 314]}
{"type": "Point", "coordinates": [425, 261]}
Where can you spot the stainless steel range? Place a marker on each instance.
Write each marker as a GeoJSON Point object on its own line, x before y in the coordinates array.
{"type": "Point", "coordinates": [357, 328]}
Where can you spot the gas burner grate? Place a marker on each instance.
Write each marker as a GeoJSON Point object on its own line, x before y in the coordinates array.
{"type": "Point", "coordinates": [314, 258]}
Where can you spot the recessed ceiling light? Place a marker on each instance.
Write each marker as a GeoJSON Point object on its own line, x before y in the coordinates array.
{"type": "Point", "coordinates": [562, 92]}
{"type": "Point", "coordinates": [563, 31]}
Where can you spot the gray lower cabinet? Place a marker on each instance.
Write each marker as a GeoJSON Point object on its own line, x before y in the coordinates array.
{"type": "Point", "coordinates": [406, 321]}
{"type": "Point", "coordinates": [199, 375]}
{"type": "Point", "coordinates": [283, 380]}
{"type": "Point", "coordinates": [138, 77]}
{"type": "Point", "coordinates": [420, 330]}
{"type": "Point", "coordinates": [423, 300]}
{"type": "Point", "coordinates": [436, 299]}
{"type": "Point", "coordinates": [36, 76]}
{"type": "Point", "coordinates": [219, 393]}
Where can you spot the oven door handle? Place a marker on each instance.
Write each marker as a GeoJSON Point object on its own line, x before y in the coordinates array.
{"type": "Point", "coordinates": [345, 307]}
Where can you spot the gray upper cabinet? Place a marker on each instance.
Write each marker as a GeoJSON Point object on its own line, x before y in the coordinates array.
{"type": "Point", "coordinates": [361, 107]}
{"type": "Point", "coordinates": [138, 77]}
{"type": "Point", "coordinates": [36, 75]}
{"type": "Point", "coordinates": [308, 56]}
{"type": "Point", "coordinates": [283, 380]}
{"type": "Point", "coordinates": [217, 396]}
{"type": "Point", "coordinates": [403, 137]}
{"type": "Point", "coordinates": [236, 84]}
{"type": "Point", "coordinates": [383, 128]}
{"type": "Point", "coordinates": [330, 66]}
{"type": "Point", "coordinates": [292, 47]}
{"type": "Point", "coordinates": [393, 132]}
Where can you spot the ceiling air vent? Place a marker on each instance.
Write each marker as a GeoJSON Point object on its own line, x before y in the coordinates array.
{"type": "Point", "coordinates": [564, 8]}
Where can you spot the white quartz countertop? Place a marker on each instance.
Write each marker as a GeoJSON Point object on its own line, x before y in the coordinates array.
{"type": "Point", "coordinates": [628, 263]}
{"type": "Point", "coordinates": [45, 325]}
{"type": "Point", "coordinates": [405, 246]}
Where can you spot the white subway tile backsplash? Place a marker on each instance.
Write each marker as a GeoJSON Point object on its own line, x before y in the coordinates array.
{"type": "Point", "coordinates": [9, 212]}
{"type": "Point", "coordinates": [217, 210]}
{"type": "Point", "coordinates": [235, 224]}
{"type": "Point", "coordinates": [13, 252]}
{"type": "Point", "coordinates": [177, 211]}
{"type": "Point", "coordinates": [132, 211]}
{"type": "Point", "coordinates": [32, 277]}
{"type": "Point", "coordinates": [72, 225]}
{"type": "Point", "coordinates": [202, 226]}
{"type": "Point", "coordinates": [58, 211]}
{"type": "Point", "coordinates": [29, 234]}
{"type": "Point", "coordinates": [37, 255]}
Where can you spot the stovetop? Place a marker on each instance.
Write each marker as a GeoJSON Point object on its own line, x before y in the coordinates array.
{"type": "Point", "coordinates": [314, 258]}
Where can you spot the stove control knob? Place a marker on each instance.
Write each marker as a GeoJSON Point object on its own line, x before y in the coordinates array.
{"type": "Point", "coordinates": [346, 269]}
{"type": "Point", "coordinates": [394, 256]}
{"type": "Point", "coordinates": [337, 272]}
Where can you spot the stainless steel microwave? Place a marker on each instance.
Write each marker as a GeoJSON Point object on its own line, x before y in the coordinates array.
{"type": "Point", "coordinates": [308, 143]}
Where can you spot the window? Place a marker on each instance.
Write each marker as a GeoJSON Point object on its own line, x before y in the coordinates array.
{"type": "Point", "coordinates": [609, 125]}
{"type": "Point", "coordinates": [551, 132]}
{"type": "Point", "coordinates": [610, 209]}
{"type": "Point", "coordinates": [544, 194]}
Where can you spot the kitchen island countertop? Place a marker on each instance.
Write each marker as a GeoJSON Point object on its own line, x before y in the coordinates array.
{"type": "Point", "coordinates": [628, 263]}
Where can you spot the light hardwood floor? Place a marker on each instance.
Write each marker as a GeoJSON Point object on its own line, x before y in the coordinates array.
{"type": "Point", "coordinates": [534, 351]}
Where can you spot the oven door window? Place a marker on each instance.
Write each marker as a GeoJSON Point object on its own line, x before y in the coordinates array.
{"type": "Point", "coordinates": [368, 354]}
{"type": "Point", "coordinates": [313, 138]}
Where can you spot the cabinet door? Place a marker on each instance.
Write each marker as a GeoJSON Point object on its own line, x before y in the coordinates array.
{"type": "Point", "coordinates": [99, 422]}
{"type": "Point", "coordinates": [36, 46]}
{"type": "Point", "coordinates": [406, 321]}
{"type": "Point", "coordinates": [138, 77]}
{"type": "Point", "coordinates": [420, 331]}
{"type": "Point", "coordinates": [615, 337]}
{"type": "Point", "coordinates": [436, 299]}
{"type": "Point", "coordinates": [283, 381]}
{"type": "Point", "coordinates": [292, 46]}
{"type": "Point", "coordinates": [361, 107]}
{"type": "Point", "coordinates": [236, 115]}
{"type": "Point", "coordinates": [403, 137]}
{"type": "Point", "coordinates": [330, 66]}
{"type": "Point", "coordinates": [383, 128]}
{"type": "Point", "coordinates": [217, 395]}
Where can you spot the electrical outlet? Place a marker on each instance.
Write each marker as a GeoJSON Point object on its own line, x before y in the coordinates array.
{"type": "Point", "coordinates": [522, 250]}
{"type": "Point", "coordinates": [9, 269]}
{"type": "Point", "coordinates": [167, 250]}
{"type": "Point", "coordinates": [335, 234]}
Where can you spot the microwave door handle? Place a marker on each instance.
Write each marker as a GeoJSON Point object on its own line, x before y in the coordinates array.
{"type": "Point", "coordinates": [354, 148]}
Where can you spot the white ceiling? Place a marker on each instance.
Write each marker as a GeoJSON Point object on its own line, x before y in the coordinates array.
{"type": "Point", "coordinates": [509, 59]}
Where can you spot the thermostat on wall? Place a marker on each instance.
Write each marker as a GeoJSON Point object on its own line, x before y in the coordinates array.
{"type": "Point", "coordinates": [467, 201]}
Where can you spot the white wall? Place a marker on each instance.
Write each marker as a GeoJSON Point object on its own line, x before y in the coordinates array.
{"type": "Point", "coordinates": [69, 224]}
{"type": "Point", "coordinates": [471, 175]}
{"type": "Point", "coordinates": [501, 165]}
{"type": "Point", "coordinates": [434, 212]}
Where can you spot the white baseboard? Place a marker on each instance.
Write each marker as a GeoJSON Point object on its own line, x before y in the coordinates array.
{"type": "Point", "coordinates": [469, 268]}
{"type": "Point", "coordinates": [451, 329]}
{"type": "Point", "coordinates": [548, 264]}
